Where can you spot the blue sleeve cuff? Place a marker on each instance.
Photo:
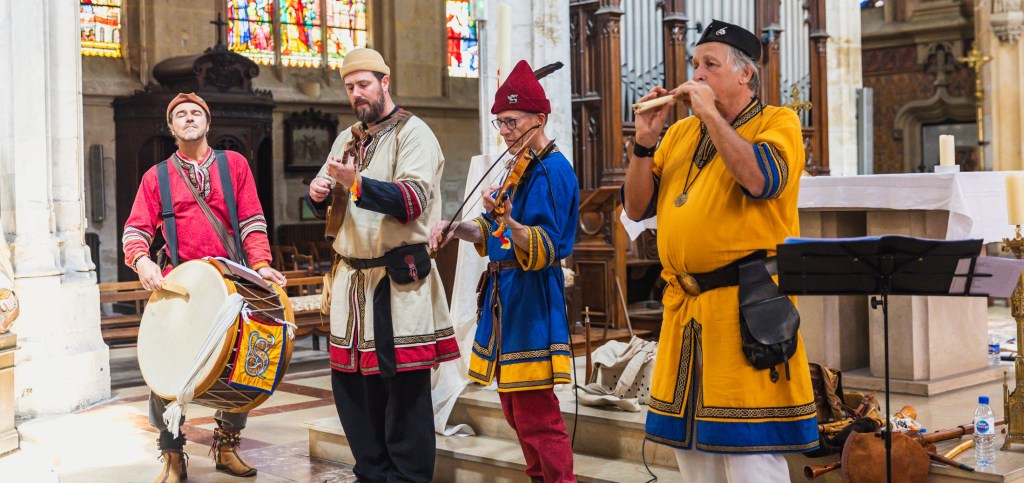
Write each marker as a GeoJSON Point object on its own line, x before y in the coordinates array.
{"type": "Point", "coordinates": [652, 205]}
{"type": "Point", "coordinates": [774, 170]}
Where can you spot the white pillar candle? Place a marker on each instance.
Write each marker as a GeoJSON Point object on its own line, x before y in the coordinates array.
{"type": "Point", "coordinates": [504, 41]}
{"type": "Point", "coordinates": [946, 151]}
{"type": "Point", "coordinates": [1015, 198]}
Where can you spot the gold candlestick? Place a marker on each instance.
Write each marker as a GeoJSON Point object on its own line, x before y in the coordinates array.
{"type": "Point", "coordinates": [975, 60]}
{"type": "Point", "coordinates": [1013, 404]}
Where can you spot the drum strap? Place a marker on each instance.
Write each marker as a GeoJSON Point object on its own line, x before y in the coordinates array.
{"type": "Point", "coordinates": [167, 211]}
{"type": "Point", "coordinates": [229, 199]}
{"type": "Point", "coordinates": [234, 250]}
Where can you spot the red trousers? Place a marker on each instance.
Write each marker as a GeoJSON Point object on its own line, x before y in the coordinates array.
{"type": "Point", "coordinates": [537, 421]}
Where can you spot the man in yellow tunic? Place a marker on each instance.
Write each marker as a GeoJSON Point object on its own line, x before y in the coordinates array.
{"type": "Point", "coordinates": [724, 184]}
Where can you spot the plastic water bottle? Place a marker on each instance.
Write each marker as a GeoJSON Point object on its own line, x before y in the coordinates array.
{"type": "Point", "coordinates": [993, 350]}
{"type": "Point", "coordinates": [984, 434]}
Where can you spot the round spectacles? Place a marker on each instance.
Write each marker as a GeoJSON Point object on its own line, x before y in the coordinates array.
{"type": "Point", "coordinates": [509, 123]}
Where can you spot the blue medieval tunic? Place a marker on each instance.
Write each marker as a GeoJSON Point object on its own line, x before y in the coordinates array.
{"type": "Point", "coordinates": [523, 324]}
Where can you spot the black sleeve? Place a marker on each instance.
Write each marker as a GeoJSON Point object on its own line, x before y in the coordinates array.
{"type": "Point", "coordinates": [319, 209]}
{"type": "Point", "coordinates": [386, 198]}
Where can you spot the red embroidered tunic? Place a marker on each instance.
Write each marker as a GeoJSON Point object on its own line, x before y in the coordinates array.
{"type": "Point", "coordinates": [196, 236]}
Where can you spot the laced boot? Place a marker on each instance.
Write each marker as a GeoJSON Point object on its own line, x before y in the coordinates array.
{"type": "Point", "coordinates": [173, 457]}
{"type": "Point", "coordinates": [226, 456]}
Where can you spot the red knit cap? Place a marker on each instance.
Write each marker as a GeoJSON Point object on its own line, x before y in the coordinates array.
{"type": "Point", "coordinates": [521, 92]}
{"type": "Point", "coordinates": [183, 98]}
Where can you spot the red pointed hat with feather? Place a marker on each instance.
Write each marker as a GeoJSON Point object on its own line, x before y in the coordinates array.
{"type": "Point", "coordinates": [521, 92]}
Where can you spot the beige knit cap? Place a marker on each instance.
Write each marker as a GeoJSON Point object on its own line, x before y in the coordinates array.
{"type": "Point", "coordinates": [364, 59]}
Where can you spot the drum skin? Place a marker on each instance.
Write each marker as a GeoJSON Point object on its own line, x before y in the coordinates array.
{"type": "Point", "coordinates": [174, 329]}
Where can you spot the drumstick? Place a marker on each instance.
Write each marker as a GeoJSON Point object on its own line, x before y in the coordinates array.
{"type": "Point", "coordinates": [174, 287]}
{"type": "Point", "coordinates": [644, 106]}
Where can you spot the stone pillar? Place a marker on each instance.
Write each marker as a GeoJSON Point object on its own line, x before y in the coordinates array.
{"type": "Point", "coordinates": [998, 26]}
{"type": "Point", "coordinates": [540, 30]}
{"type": "Point", "coordinates": [62, 363]}
{"type": "Point", "coordinates": [844, 78]}
{"type": "Point", "coordinates": [8, 435]}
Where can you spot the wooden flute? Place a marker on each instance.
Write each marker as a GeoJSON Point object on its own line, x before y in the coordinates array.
{"type": "Point", "coordinates": [644, 106]}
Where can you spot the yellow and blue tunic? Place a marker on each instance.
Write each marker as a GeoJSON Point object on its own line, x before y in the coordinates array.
{"type": "Point", "coordinates": [522, 326]}
{"type": "Point", "coordinates": [704, 393]}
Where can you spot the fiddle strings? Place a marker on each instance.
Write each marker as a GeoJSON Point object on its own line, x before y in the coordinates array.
{"type": "Point", "coordinates": [448, 229]}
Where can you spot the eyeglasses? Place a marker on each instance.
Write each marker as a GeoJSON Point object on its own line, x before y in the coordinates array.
{"type": "Point", "coordinates": [509, 123]}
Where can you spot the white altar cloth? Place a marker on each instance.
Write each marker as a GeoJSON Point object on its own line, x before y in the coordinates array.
{"type": "Point", "coordinates": [976, 201]}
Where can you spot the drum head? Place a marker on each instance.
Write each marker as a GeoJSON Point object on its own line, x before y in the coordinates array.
{"type": "Point", "coordinates": [174, 329]}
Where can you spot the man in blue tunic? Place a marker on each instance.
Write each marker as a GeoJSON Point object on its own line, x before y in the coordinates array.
{"type": "Point", "coordinates": [522, 338]}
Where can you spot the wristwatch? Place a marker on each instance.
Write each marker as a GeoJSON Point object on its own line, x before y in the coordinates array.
{"type": "Point", "coordinates": [643, 151]}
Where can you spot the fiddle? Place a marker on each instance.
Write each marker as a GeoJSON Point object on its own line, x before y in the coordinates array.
{"type": "Point", "coordinates": [339, 193]}
{"type": "Point", "coordinates": [451, 223]}
{"type": "Point", "coordinates": [517, 167]}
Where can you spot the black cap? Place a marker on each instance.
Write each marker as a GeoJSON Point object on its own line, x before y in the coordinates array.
{"type": "Point", "coordinates": [734, 35]}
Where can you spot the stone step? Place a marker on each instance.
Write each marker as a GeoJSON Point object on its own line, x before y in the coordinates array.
{"type": "Point", "coordinates": [608, 433]}
{"type": "Point", "coordinates": [473, 459]}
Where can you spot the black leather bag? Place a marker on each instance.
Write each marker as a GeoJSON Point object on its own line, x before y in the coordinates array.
{"type": "Point", "coordinates": [408, 264]}
{"type": "Point", "coordinates": [768, 320]}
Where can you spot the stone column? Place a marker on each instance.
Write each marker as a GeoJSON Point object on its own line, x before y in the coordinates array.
{"type": "Point", "coordinates": [62, 363]}
{"type": "Point", "coordinates": [998, 26]}
{"type": "Point", "coordinates": [540, 30]}
{"type": "Point", "coordinates": [844, 78]}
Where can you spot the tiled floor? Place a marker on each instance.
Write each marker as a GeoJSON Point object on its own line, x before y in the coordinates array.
{"type": "Point", "coordinates": [113, 441]}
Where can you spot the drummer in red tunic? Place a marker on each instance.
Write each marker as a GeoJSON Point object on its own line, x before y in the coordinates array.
{"type": "Point", "coordinates": [188, 118]}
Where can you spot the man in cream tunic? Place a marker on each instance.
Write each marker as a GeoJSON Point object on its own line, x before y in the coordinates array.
{"type": "Point", "coordinates": [389, 315]}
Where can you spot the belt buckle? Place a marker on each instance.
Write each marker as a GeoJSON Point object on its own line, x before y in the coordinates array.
{"type": "Point", "coordinates": [690, 285]}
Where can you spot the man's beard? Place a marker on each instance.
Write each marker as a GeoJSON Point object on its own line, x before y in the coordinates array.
{"type": "Point", "coordinates": [189, 135]}
{"type": "Point", "coordinates": [372, 112]}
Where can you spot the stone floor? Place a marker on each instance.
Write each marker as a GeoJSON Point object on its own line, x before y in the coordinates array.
{"type": "Point", "coordinates": [112, 441]}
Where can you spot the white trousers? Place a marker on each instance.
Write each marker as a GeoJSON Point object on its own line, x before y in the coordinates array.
{"type": "Point", "coordinates": [701, 467]}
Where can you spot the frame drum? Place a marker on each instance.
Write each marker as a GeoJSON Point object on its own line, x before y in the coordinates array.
{"type": "Point", "coordinates": [174, 328]}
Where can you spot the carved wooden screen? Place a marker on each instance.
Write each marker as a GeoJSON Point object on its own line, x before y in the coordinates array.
{"type": "Point", "coordinates": [801, 51]}
{"type": "Point", "coordinates": [594, 38]}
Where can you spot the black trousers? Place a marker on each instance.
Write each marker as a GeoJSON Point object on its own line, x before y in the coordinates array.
{"type": "Point", "coordinates": [389, 423]}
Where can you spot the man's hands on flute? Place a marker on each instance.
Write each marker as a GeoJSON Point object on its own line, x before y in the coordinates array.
{"type": "Point", "coordinates": [698, 97]}
{"type": "Point", "coordinates": [650, 123]}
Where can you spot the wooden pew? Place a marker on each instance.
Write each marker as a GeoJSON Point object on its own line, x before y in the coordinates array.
{"type": "Point", "coordinates": [122, 328]}
{"type": "Point", "coordinates": [310, 322]}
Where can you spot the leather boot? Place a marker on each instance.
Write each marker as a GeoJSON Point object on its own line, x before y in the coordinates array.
{"type": "Point", "coordinates": [226, 456]}
{"type": "Point", "coordinates": [175, 466]}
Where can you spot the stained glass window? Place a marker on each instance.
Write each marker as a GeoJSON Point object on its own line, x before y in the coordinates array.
{"type": "Point", "coordinates": [297, 30]}
{"type": "Point", "coordinates": [100, 24]}
{"type": "Point", "coordinates": [301, 41]}
{"type": "Point", "coordinates": [251, 29]}
{"type": "Point", "coordinates": [346, 29]}
{"type": "Point", "coordinates": [463, 59]}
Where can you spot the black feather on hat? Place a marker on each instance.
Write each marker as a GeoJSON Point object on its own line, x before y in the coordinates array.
{"type": "Point", "coordinates": [734, 35]}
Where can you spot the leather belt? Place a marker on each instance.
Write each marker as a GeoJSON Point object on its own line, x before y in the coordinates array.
{"type": "Point", "coordinates": [494, 267]}
{"type": "Point", "coordinates": [364, 263]}
{"type": "Point", "coordinates": [696, 283]}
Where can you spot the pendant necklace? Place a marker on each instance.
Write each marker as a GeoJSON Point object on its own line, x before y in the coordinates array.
{"type": "Point", "coordinates": [706, 149]}
{"type": "Point", "coordinates": [681, 199]}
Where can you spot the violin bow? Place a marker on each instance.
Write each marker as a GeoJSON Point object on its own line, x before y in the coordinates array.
{"type": "Point", "coordinates": [539, 74]}
{"type": "Point", "coordinates": [448, 229]}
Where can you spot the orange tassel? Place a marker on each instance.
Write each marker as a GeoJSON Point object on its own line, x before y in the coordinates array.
{"type": "Point", "coordinates": [356, 189]}
{"type": "Point", "coordinates": [504, 234]}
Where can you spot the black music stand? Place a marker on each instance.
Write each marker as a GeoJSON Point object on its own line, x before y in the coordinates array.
{"type": "Point", "coordinates": [886, 265]}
